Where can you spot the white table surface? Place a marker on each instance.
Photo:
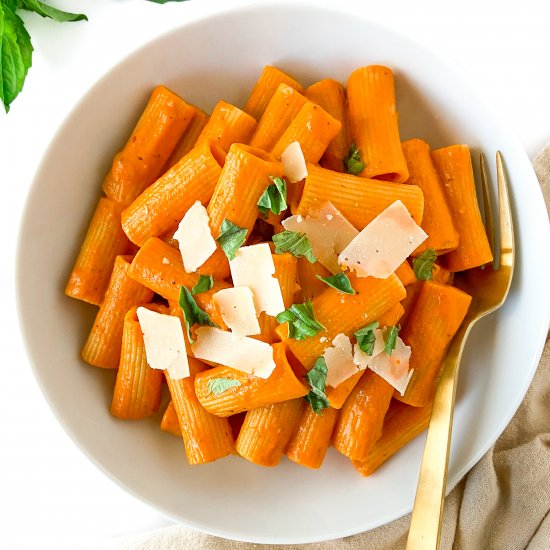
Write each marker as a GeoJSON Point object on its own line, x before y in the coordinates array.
{"type": "Point", "coordinates": [51, 495]}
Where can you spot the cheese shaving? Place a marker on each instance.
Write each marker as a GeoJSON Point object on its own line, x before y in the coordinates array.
{"type": "Point", "coordinates": [237, 309]}
{"type": "Point", "coordinates": [294, 163]}
{"type": "Point", "coordinates": [195, 240]}
{"type": "Point", "coordinates": [164, 342]}
{"type": "Point", "coordinates": [245, 354]}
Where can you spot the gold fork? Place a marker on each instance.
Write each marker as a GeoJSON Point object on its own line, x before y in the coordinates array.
{"type": "Point", "coordinates": [488, 288]}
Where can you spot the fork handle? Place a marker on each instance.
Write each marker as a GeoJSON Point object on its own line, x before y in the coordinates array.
{"type": "Point", "coordinates": [425, 529]}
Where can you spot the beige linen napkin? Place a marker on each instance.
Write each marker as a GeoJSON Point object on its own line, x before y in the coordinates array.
{"type": "Point", "coordinates": [503, 503]}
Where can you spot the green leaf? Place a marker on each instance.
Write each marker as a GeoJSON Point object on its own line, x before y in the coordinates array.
{"type": "Point", "coordinates": [15, 54]}
{"type": "Point", "coordinates": [166, 1]}
{"type": "Point", "coordinates": [274, 197]}
{"type": "Point", "coordinates": [192, 313]}
{"type": "Point", "coordinates": [206, 282]}
{"type": "Point", "coordinates": [339, 281]}
{"type": "Point", "coordinates": [317, 378]}
{"type": "Point", "coordinates": [219, 385]}
{"type": "Point", "coordinates": [366, 339]}
{"type": "Point", "coordinates": [295, 243]}
{"type": "Point", "coordinates": [423, 265]}
{"type": "Point", "coordinates": [352, 163]}
{"type": "Point", "coordinates": [391, 339]}
{"type": "Point", "coordinates": [301, 321]}
{"type": "Point", "coordinates": [231, 238]}
{"type": "Point", "coordinates": [48, 11]}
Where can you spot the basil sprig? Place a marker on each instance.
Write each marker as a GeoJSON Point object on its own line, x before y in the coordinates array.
{"type": "Point", "coordinates": [317, 378]}
{"type": "Point", "coordinates": [192, 313]}
{"type": "Point", "coordinates": [296, 243]}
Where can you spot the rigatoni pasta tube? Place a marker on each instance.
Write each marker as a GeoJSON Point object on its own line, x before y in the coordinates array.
{"type": "Point", "coordinates": [206, 437]}
{"type": "Point", "coordinates": [170, 422]}
{"type": "Point", "coordinates": [159, 266]}
{"type": "Point", "coordinates": [313, 128]}
{"type": "Point", "coordinates": [360, 422]}
{"type": "Point", "coordinates": [245, 176]}
{"type": "Point", "coordinates": [374, 124]}
{"type": "Point", "coordinates": [138, 387]}
{"type": "Point", "coordinates": [338, 395]}
{"type": "Point", "coordinates": [406, 274]}
{"type": "Point", "coordinates": [162, 205]}
{"type": "Point", "coordinates": [401, 425]}
{"type": "Point", "coordinates": [227, 125]}
{"type": "Point", "coordinates": [346, 313]}
{"type": "Point", "coordinates": [154, 138]}
{"type": "Point", "coordinates": [437, 220]}
{"type": "Point", "coordinates": [253, 392]}
{"type": "Point", "coordinates": [310, 284]}
{"type": "Point", "coordinates": [286, 274]}
{"type": "Point", "coordinates": [454, 167]}
{"type": "Point", "coordinates": [102, 347]}
{"type": "Point", "coordinates": [104, 241]}
{"type": "Point", "coordinates": [279, 113]}
{"type": "Point", "coordinates": [359, 200]}
{"type": "Point", "coordinates": [331, 96]}
{"type": "Point", "coordinates": [266, 432]}
{"type": "Point", "coordinates": [312, 438]}
{"type": "Point", "coordinates": [188, 139]}
{"type": "Point", "coordinates": [267, 83]}
{"type": "Point", "coordinates": [436, 316]}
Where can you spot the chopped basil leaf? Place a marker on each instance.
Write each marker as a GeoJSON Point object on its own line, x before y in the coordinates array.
{"type": "Point", "coordinates": [423, 265]}
{"type": "Point", "coordinates": [352, 163]}
{"type": "Point", "coordinates": [295, 243]}
{"type": "Point", "coordinates": [339, 281]}
{"type": "Point", "coordinates": [301, 321]}
{"type": "Point", "coordinates": [205, 283]}
{"type": "Point", "coordinates": [192, 313]}
{"type": "Point", "coordinates": [274, 197]}
{"type": "Point", "coordinates": [50, 12]}
{"type": "Point", "coordinates": [366, 339]}
{"type": "Point", "coordinates": [317, 378]}
{"type": "Point", "coordinates": [231, 238]}
{"type": "Point", "coordinates": [391, 339]}
{"type": "Point", "coordinates": [219, 385]}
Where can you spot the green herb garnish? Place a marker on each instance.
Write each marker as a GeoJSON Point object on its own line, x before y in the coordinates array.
{"type": "Point", "coordinates": [219, 385]}
{"type": "Point", "coordinates": [317, 378]}
{"type": "Point", "coordinates": [15, 43]}
{"type": "Point", "coordinates": [231, 238]}
{"type": "Point", "coordinates": [206, 282]}
{"type": "Point", "coordinates": [295, 243]}
{"type": "Point", "coordinates": [274, 197]}
{"type": "Point", "coordinates": [391, 339]}
{"type": "Point", "coordinates": [366, 338]}
{"type": "Point", "coordinates": [423, 265]}
{"type": "Point", "coordinates": [192, 313]}
{"type": "Point", "coordinates": [301, 321]}
{"type": "Point", "coordinates": [353, 163]}
{"type": "Point", "coordinates": [339, 281]}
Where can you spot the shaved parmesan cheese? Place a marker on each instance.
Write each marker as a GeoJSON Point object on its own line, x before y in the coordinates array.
{"type": "Point", "coordinates": [339, 361]}
{"type": "Point", "coordinates": [236, 306]}
{"type": "Point", "coordinates": [393, 368]}
{"type": "Point", "coordinates": [246, 354]}
{"type": "Point", "coordinates": [384, 244]}
{"type": "Point", "coordinates": [194, 237]}
{"type": "Point", "coordinates": [328, 232]}
{"type": "Point", "coordinates": [253, 267]}
{"type": "Point", "coordinates": [164, 343]}
{"type": "Point", "coordinates": [294, 163]}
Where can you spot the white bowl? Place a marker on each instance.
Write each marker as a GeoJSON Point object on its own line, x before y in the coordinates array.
{"type": "Point", "coordinates": [220, 57]}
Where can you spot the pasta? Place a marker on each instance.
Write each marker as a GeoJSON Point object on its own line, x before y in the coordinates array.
{"type": "Point", "coordinates": [333, 334]}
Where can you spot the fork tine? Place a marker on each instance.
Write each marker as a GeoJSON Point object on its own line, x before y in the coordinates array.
{"type": "Point", "coordinates": [489, 227]}
{"type": "Point", "coordinates": [506, 226]}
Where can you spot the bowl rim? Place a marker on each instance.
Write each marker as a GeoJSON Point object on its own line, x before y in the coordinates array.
{"type": "Point", "coordinates": [212, 13]}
